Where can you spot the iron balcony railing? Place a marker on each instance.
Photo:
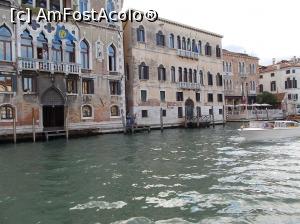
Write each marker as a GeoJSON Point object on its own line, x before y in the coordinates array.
{"type": "Point", "coordinates": [48, 66]}
{"type": "Point", "coordinates": [188, 85]}
{"type": "Point", "coordinates": [188, 54]}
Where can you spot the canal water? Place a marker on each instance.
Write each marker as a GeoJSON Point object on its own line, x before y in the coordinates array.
{"type": "Point", "coordinates": [179, 176]}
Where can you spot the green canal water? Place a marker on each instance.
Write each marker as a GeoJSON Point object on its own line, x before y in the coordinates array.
{"type": "Point", "coordinates": [179, 176]}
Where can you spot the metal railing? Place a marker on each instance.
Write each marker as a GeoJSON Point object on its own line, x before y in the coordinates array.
{"type": "Point", "coordinates": [188, 54]}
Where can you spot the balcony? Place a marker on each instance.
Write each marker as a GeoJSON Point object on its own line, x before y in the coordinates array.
{"type": "Point", "coordinates": [188, 54]}
{"type": "Point", "coordinates": [188, 85]}
{"type": "Point", "coordinates": [48, 66]}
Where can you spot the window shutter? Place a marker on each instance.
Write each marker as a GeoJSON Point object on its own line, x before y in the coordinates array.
{"type": "Point", "coordinates": [147, 72]}
{"type": "Point", "coordinates": [14, 83]}
{"type": "Point", "coordinates": [92, 86]}
{"type": "Point", "coordinates": [157, 39]}
{"type": "Point", "coordinates": [119, 88]}
{"type": "Point", "coordinates": [140, 71]}
{"type": "Point", "coordinates": [138, 34]}
{"type": "Point", "coordinates": [158, 73]}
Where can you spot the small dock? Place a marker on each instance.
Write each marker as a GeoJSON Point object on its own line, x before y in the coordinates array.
{"type": "Point", "coordinates": [55, 132]}
{"type": "Point", "coordinates": [137, 129]}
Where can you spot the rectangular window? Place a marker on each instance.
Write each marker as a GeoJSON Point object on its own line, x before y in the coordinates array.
{"type": "Point", "coordinates": [6, 83]}
{"type": "Point", "coordinates": [199, 113]}
{"type": "Point", "coordinates": [29, 84]}
{"type": "Point", "coordinates": [273, 86]}
{"type": "Point", "coordinates": [180, 112]}
{"type": "Point", "coordinates": [164, 113]}
{"type": "Point", "coordinates": [162, 96]}
{"type": "Point", "coordinates": [220, 111]}
{"type": "Point", "coordinates": [55, 5]}
{"type": "Point", "coordinates": [198, 97]}
{"type": "Point", "coordinates": [261, 88]}
{"type": "Point", "coordinates": [143, 95]}
{"type": "Point", "coordinates": [293, 71]}
{"type": "Point", "coordinates": [87, 86]}
{"type": "Point", "coordinates": [272, 74]}
{"type": "Point", "coordinates": [179, 96]}
{"type": "Point", "coordinates": [211, 112]}
{"type": "Point", "coordinates": [261, 77]}
{"type": "Point", "coordinates": [144, 113]}
{"type": "Point", "coordinates": [288, 71]}
{"type": "Point", "coordinates": [210, 97]}
{"type": "Point", "coordinates": [143, 72]}
{"type": "Point", "coordinates": [220, 98]}
{"type": "Point", "coordinates": [71, 85]}
{"type": "Point", "coordinates": [115, 87]}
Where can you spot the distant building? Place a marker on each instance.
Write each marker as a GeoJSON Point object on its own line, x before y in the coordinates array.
{"type": "Point", "coordinates": [66, 73]}
{"type": "Point", "coordinates": [282, 78]}
{"type": "Point", "coordinates": [240, 77]}
{"type": "Point", "coordinates": [173, 67]}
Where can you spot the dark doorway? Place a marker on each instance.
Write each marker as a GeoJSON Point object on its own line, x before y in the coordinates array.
{"type": "Point", "coordinates": [189, 109]}
{"type": "Point", "coordinates": [53, 116]}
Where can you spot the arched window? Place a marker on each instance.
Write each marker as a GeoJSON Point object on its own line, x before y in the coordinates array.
{"type": "Point", "coordinates": [201, 77]}
{"type": "Point", "coordinates": [210, 81]}
{"type": "Point", "coordinates": [112, 62]}
{"type": "Point", "coordinates": [189, 44]}
{"type": "Point", "coordinates": [70, 52]}
{"type": "Point", "coordinates": [178, 42]}
{"type": "Point", "coordinates": [143, 71]}
{"type": "Point", "coordinates": [190, 75]}
{"type": "Point", "coordinates": [173, 75]}
{"type": "Point", "coordinates": [6, 112]}
{"type": "Point", "coordinates": [5, 44]}
{"type": "Point", "coordinates": [185, 75]}
{"type": "Point", "coordinates": [42, 47]}
{"type": "Point", "coordinates": [56, 51]}
{"type": "Point", "coordinates": [115, 111]}
{"type": "Point", "coordinates": [84, 54]}
{"type": "Point", "coordinates": [83, 5]}
{"type": "Point", "coordinates": [110, 6]}
{"type": "Point", "coordinates": [26, 45]}
{"type": "Point", "coordinates": [218, 51]}
{"type": "Point", "coordinates": [207, 49]}
{"type": "Point", "coordinates": [219, 80]}
{"type": "Point", "coordinates": [161, 73]}
{"type": "Point", "coordinates": [180, 74]}
{"type": "Point", "coordinates": [199, 47]}
{"type": "Point", "coordinates": [160, 39]}
{"type": "Point", "coordinates": [183, 43]}
{"type": "Point", "coordinates": [87, 111]}
{"type": "Point", "coordinates": [171, 41]}
{"type": "Point", "coordinates": [141, 34]}
{"type": "Point", "coordinates": [195, 76]}
{"type": "Point", "coordinates": [194, 46]}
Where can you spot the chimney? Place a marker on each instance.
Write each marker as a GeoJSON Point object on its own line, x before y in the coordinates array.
{"type": "Point", "coordinates": [274, 61]}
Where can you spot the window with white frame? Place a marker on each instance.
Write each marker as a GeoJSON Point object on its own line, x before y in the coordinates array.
{"type": "Point", "coordinates": [87, 111]}
{"type": "Point", "coordinates": [5, 44]}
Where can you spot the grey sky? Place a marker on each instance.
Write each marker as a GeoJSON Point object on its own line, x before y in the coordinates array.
{"type": "Point", "coordinates": [267, 29]}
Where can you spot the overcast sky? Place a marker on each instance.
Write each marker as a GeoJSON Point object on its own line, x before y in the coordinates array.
{"type": "Point", "coordinates": [263, 28]}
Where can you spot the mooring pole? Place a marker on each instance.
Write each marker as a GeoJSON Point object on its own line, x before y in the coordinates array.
{"type": "Point", "coordinates": [223, 115]}
{"type": "Point", "coordinates": [14, 126]}
{"type": "Point", "coordinates": [67, 123]}
{"type": "Point", "coordinates": [33, 125]}
{"type": "Point", "coordinates": [161, 120]}
{"type": "Point", "coordinates": [213, 116]}
{"type": "Point", "coordinates": [123, 121]}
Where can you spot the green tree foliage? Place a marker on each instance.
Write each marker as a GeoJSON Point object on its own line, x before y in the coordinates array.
{"type": "Point", "coordinates": [267, 98]}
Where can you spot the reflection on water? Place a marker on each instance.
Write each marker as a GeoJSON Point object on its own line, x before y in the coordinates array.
{"type": "Point", "coordinates": [180, 176]}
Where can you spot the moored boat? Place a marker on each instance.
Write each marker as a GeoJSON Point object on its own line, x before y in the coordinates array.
{"type": "Point", "coordinates": [270, 130]}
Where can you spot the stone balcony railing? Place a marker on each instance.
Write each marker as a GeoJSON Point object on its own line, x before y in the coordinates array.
{"type": "Point", "coordinates": [48, 66]}
{"type": "Point", "coordinates": [188, 85]}
{"type": "Point", "coordinates": [188, 54]}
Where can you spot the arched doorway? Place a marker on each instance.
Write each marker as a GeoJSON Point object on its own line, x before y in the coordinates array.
{"type": "Point", "coordinates": [53, 108]}
{"type": "Point", "coordinates": [189, 109]}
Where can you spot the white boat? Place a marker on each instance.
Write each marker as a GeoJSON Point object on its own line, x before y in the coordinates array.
{"type": "Point", "coordinates": [270, 130]}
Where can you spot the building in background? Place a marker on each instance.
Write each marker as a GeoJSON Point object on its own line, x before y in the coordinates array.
{"type": "Point", "coordinates": [174, 68]}
{"type": "Point", "coordinates": [64, 73]}
{"type": "Point", "coordinates": [240, 78]}
{"type": "Point", "coordinates": [282, 79]}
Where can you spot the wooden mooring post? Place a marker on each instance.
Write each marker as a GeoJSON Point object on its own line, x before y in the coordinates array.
{"type": "Point", "coordinates": [161, 120]}
{"type": "Point", "coordinates": [213, 116]}
{"type": "Point", "coordinates": [67, 123]}
{"type": "Point", "coordinates": [224, 120]}
{"type": "Point", "coordinates": [123, 121]}
{"type": "Point", "coordinates": [14, 126]}
{"type": "Point", "coordinates": [33, 125]}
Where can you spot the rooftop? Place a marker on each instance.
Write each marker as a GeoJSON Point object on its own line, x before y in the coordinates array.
{"type": "Point", "coordinates": [284, 64]}
{"type": "Point", "coordinates": [238, 54]}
